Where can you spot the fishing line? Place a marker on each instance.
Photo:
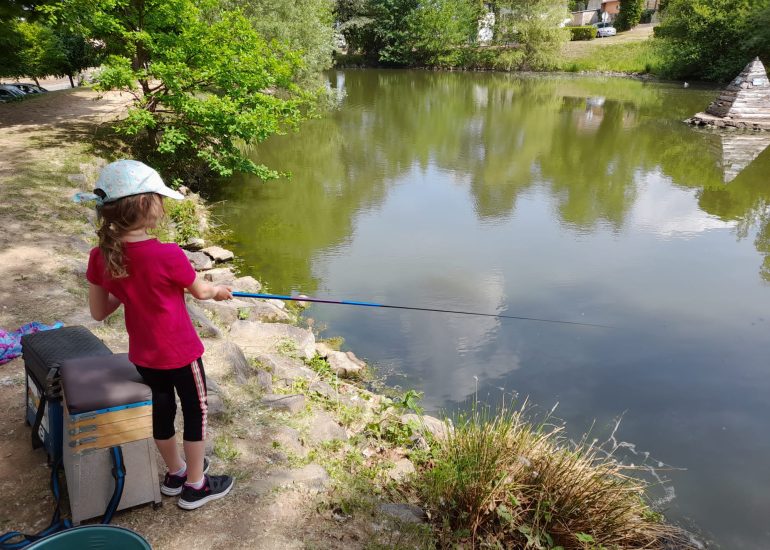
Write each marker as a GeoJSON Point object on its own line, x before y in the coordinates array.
{"type": "Point", "coordinates": [411, 308]}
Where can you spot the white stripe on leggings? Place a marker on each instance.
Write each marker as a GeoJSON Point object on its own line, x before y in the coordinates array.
{"type": "Point", "coordinates": [201, 388]}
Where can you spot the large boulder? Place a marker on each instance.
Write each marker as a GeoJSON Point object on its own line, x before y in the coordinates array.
{"type": "Point", "coordinates": [257, 338]}
{"type": "Point", "coordinates": [218, 254]}
{"type": "Point", "coordinates": [219, 276]}
{"type": "Point", "coordinates": [345, 364]}
{"type": "Point", "coordinates": [260, 310]}
{"type": "Point", "coordinates": [199, 260]}
{"type": "Point", "coordinates": [285, 403]}
{"type": "Point", "coordinates": [247, 284]}
{"type": "Point", "coordinates": [204, 326]}
{"type": "Point", "coordinates": [323, 427]}
{"type": "Point", "coordinates": [236, 360]}
{"type": "Point", "coordinates": [429, 424]}
{"type": "Point", "coordinates": [227, 311]}
{"type": "Point", "coordinates": [285, 368]}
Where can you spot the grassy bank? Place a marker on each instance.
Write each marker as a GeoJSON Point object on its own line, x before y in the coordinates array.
{"type": "Point", "coordinates": [596, 56]}
{"type": "Point", "coordinates": [640, 57]}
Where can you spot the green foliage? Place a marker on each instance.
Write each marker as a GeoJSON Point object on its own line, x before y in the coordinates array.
{"type": "Point", "coordinates": [505, 483]}
{"type": "Point", "coordinates": [439, 27]}
{"type": "Point", "coordinates": [587, 32]}
{"type": "Point", "coordinates": [224, 449]}
{"type": "Point", "coordinates": [306, 26]}
{"type": "Point", "coordinates": [629, 57]}
{"type": "Point", "coordinates": [713, 39]}
{"type": "Point", "coordinates": [205, 82]}
{"type": "Point", "coordinates": [184, 217]}
{"type": "Point", "coordinates": [533, 26]}
{"type": "Point", "coordinates": [647, 16]}
{"type": "Point", "coordinates": [393, 30]}
{"type": "Point", "coordinates": [630, 14]}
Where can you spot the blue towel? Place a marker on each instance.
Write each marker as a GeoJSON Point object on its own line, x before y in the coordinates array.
{"type": "Point", "coordinates": [10, 342]}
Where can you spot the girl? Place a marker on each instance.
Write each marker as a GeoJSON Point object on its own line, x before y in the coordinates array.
{"type": "Point", "coordinates": [132, 268]}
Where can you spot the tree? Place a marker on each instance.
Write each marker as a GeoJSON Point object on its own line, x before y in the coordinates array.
{"type": "Point", "coordinates": [439, 27]}
{"type": "Point", "coordinates": [394, 37]}
{"type": "Point", "coordinates": [205, 84]}
{"type": "Point", "coordinates": [304, 25]}
{"type": "Point", "coordinates": [630, 14]}
{"type": "Point", "coordinates": [77, 54]}
{"type": "Point", "coordinates": [713, 39]}
{"type": "Point", "coordinates": [534, 27]}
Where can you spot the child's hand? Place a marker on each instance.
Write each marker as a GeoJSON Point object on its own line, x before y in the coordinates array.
{"type": "Point", "coordinates": [223, 293]}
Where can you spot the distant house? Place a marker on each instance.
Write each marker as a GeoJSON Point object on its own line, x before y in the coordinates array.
{"type": "Point", "coordinates": [611, 8]}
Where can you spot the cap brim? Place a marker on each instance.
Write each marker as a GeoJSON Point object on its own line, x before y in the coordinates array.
{"type": "Point", "coordinates": [170, 193]}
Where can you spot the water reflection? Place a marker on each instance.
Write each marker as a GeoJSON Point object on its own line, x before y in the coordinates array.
{"type": "Point", "coordinates": [589, 142]}
{"type": "Point", "coordinates": [564, 198]}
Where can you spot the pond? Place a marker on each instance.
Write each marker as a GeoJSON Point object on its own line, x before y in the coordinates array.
{"type": "Point", "coordinates": [567, 198]}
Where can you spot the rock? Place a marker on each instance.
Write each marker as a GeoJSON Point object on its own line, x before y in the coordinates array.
{"type": "Point", "coordinates": [199, 260]}
{"type": "Point", "coordinates": [285, 368]}
{"type": "Point", "coordinates": [436, 427]}
{"type": "Point", "coordinates": [203, 324]}
{"type": "Point", "coordinates": [265, 311]}
{"type": "Point", "coordinates": [212, 386]}
{"type": "Point", "coordinates": [265, 381]}
{"type": "Point", "coordinates": [220, 276]}
{"type": "Point", "coordinates": [76, 178]}
{"type": "Point", "coordinates": [280, 304]}
{"type": "Point", "coordinates": [345, 364]}
{"type": "Point", "coordinates": [312, 476]}
{"type": "Point", "coordinates": [324, 428]}
{"type": "Point", "coordinates": [218, 254]}
{"type": "Point", "coordinates": [288, 439]}
{"type": "Point", "coordinates": [195, 244]}
{"type": "Point", "coordinates": [257, 338]}
{"type": "Point", "coordinates": [227, 311]}
{"type": "Point", "coordinates": [319, 386]}
{"type": "Point", "coordinates": [288, 403]}
{"type": "Point", "coordinates": [402, 468]}
{"type": "Point", "coordinates": [184, 190]}
{"type": "Point", "coordinates": [237, 362]}
{"type": "Point", "coordinates": [247, 284]}
{"type": "Point", "coordinates": [408, 513]}
{"type": "Point", "coordinates": [216, 406]}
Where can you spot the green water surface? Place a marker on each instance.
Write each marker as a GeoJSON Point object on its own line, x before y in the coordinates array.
{"type": "Point", "coordinates": [582, 199]}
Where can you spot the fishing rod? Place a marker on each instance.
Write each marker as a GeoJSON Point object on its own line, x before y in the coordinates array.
{"type": "Point", "coordinates": [370, 304]}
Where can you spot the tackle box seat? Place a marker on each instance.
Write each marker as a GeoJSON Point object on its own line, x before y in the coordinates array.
{"type": "Point", "coordinates": [43, 353]}
{"type": "Point", "coordinates": [106, 405]}
{"type": "Point", "coordinates": [106, 402]}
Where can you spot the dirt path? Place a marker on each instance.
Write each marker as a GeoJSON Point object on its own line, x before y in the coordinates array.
{"type": "Point", "coordinates": [44, 242]}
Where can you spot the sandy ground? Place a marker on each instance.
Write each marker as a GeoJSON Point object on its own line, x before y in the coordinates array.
{"type": "Point", "coordinates": [44, 159]}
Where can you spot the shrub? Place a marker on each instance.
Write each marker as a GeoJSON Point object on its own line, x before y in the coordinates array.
{"type": "Point", "coordinates": [587, 32]}
{"type": "Point", "coordinates": [647, 16]}
{"type": "Point", "coordinates": [504, 483]}
{"type": "Point", "coordinates": [630, 14]}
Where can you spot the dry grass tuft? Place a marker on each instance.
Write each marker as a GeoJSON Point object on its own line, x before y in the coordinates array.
{"type": "Point", "coordinates": [501, 482]}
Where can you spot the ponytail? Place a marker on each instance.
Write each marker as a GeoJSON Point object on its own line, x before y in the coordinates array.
{"type": "Point", "coordinates": [118, 218]}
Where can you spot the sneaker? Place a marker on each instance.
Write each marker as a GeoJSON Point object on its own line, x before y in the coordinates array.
{"type": "Point", "coordinates": [214, 487]}
{"type": "Point", "coordinates": [172, 485]}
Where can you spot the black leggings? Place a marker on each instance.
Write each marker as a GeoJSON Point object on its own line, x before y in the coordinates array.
{"type": "Point", "coordinates": [190, 383]}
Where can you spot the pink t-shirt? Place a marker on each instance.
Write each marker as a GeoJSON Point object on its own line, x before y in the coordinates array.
{"type": "Point", "coordinates": [160, 333]}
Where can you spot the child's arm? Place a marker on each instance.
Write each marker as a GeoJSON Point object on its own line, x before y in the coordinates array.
{"type": "Point", "coordinates": [101, 302]}
{"type": "Point", "coordinates": [204, 290]}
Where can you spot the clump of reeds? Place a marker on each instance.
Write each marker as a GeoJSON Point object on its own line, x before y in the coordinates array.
{"type": "Point", "coordinates": [501, 482]}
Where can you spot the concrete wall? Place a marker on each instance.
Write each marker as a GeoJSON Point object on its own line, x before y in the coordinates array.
{"type": "Point", "coordinates": [588, 17]}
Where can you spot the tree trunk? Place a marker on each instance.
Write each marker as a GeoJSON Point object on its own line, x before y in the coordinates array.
{"type": "Point", "coordinates": [36, 80]}
{"type": "Point", "coordinates": [72, 83]}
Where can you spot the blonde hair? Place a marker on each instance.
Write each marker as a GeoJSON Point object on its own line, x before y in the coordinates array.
{"type": "Point", "coordinates": [118, 218]}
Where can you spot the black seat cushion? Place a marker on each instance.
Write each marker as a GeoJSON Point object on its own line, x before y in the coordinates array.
{"type": "Point", "coordinates": [93, 383]}
{"type": "Point", "coordinates": [46, 350]}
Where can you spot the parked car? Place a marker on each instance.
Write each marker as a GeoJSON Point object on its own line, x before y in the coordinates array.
{"type": "Point", "coordinates": [604, 30]}
{"type": "Point", "coordinates": [10, 93]}
{"type": "Point", "coordinates": [29, 88]}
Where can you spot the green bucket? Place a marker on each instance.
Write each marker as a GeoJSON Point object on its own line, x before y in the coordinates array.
{"type": "Point", "coordinates": [92, 537]}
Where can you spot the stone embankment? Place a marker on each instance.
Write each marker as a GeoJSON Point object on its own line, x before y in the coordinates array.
{"type": "Point", "coordinates": [743, 105]}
